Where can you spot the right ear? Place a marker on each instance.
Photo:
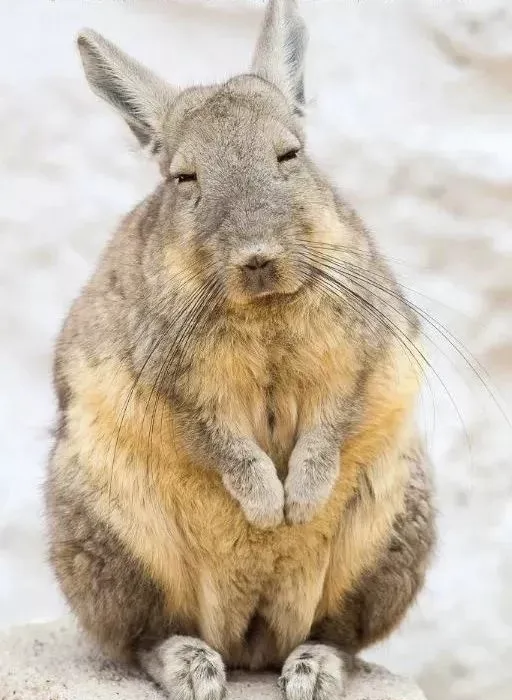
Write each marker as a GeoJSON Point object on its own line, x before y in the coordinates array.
{"type": "Point", "coordinates": [141, 97]}
{"type": "Point", "coordinates": [281, 48]}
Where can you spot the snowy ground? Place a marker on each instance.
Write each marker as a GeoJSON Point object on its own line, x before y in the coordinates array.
{"type": "Point", "coordinates": [412, 114]}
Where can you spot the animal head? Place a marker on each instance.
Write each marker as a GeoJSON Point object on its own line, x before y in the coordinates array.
{"type": "Point", "coordinates": [241, 198]}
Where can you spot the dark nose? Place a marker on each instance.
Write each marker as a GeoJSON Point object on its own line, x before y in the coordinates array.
{"type": "Point", "coordinates": [259, 273]}
{"type": "Point", "coordinates": [258, 262]}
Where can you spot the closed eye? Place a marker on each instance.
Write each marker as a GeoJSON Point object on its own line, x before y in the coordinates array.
{"type": "Point", "coordinates": [186, 177]}
{"type": "Point", "coordinates": [289, 155]}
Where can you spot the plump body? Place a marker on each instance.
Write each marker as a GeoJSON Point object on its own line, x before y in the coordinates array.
{"type": "Point", "coordinates": [134, 484]}
{"type": "Point", "coordinates": [236, 473]}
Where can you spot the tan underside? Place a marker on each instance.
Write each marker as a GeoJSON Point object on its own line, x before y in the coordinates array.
{"type": "Point", "coordinates": [175, 515]}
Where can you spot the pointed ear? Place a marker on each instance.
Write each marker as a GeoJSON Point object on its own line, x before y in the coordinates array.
{"type": "Point", "coordinates": [141, 97]}
{"type": "Point", "coordinates": [281, 49]}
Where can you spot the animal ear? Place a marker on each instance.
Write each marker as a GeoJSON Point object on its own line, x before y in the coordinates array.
{"type": "Point", "coordinates": [281, 49]}
{"type": "Point", "coordinates": [142, 98]}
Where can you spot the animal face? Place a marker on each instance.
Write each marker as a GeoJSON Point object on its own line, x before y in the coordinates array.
{"type": "Point", "coordinates": [240, 203]}
{"type": "Point", "coordinates": [240, 182]}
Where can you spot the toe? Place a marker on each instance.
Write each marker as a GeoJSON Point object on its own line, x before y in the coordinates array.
{"type": "Point", "coordinates": [208, 675]}
{"type": "Point", "coordinates": [314, 672]}
{"type": "Point", "coordinates": [299, 682]}
{"type": "Point", "coordinates": [187, 668]}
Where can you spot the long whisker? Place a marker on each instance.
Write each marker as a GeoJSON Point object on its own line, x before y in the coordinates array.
{"type": "Point", "coordinates": [213, 302]}
{"type": "Point", "coordinates": [348, 269]}
{"type": "Point", "coordinates": [334, 265]}
{"type": "Point", "coordinates": [196, 316]}
{"type": "Point", "coordinates": [333, 253]}
{"type": "Point", "coordinates": [335, 286]}
{"type": "Point", "coordinates": [160, 307]}
{"type": "Point", "coordinates": [194, 305]}
{"type": "Point", "coordinates": [364, 253]}
{"type": "Point", "coordinates": [398, 333]}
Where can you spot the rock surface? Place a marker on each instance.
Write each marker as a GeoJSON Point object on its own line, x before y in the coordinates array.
{"type": "Point", "coordinates": [53, 661]}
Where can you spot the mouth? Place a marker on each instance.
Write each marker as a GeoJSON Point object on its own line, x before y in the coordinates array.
{"type": "Point", "coordinates": [265, 286]}
{"type": "Point", "coordinates": [277, 297]}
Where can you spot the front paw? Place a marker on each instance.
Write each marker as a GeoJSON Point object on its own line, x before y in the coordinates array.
{"type": "Point", "coordinates": [300, 506]}
{"type": "Point", "coordinates": [260, 493]}
{"type": "Point", "coordinates": [298, 512]}
{"type": "Point", "coordinates": [308, 486]}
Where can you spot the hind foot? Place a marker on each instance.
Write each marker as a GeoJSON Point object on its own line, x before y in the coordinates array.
{"type": "Point", "coordinates": [314, 672]}
{"type": "Point", "coordinates": [187, 668]}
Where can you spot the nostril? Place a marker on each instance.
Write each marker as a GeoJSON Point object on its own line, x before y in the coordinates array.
{"type": "Point", "coordinates": [259, 272]}
{"type": "Point", "coordinates": [257, 262]}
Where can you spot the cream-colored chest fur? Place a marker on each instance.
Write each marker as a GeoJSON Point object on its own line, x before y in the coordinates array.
{"type": "Point", "coordinates": [216, 570]}
{"type": "Point", "coordinates": [268, 380]}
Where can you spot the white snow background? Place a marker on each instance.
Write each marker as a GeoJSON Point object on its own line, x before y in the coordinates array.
{"type": "Point", "coordinates": [411, 114]}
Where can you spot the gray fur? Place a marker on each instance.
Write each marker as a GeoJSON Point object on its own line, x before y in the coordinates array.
{"type": "Point", "coordinates": [247, 473]}
{"type": "Point", "coordinates": [312, 471]}
{"type": "Point", "coordinates": [280, 52]}
{"type": "Point", "coordinates": [258, 210]}
{"type": "Point", "coordinates": [315, 672]}
{"type": "Point", "coordinates": [141, 97]}
{"type": "Point", "coordinates": [91, 564]}
{"type": "Point", "coordinates": [187, 668]}
{"type": "Point", "coordinates": [383, 596]}
{"type": "Point", "coordinates": [236, 177]}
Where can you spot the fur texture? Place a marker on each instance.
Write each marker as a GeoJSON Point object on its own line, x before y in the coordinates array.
{"type": "Point", "coordinates": [236, 469]}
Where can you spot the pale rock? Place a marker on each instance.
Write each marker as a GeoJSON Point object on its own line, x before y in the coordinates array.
{"type": "Point", "coordinates": [53, 661]}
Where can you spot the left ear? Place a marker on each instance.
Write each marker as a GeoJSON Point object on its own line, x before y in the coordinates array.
{"type": "Point", "coordinates": [281, 49]}
{"type": "Point", "coordinates": [142, 98]}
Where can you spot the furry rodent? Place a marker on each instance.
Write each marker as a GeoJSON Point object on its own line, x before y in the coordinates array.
{"type": "Point", "coordinates": [236, 477]}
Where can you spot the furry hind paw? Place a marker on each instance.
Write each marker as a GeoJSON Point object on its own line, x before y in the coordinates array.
{"type": "Point", "coordinates": [314, 672]}
{"type": "Point", "coordinates": [187, 668]}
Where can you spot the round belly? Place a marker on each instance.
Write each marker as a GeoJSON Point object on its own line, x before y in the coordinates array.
{"type": "Point", "coordinates": [255, 592]}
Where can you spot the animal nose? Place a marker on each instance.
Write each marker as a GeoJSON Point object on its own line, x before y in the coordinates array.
{"type": "Point", "coordinates": [259, 273]}
{"type": "Point", "coordinates": [258, 262]}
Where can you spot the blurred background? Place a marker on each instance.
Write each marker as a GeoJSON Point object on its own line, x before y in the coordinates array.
{"type": "Point", "coordinates": [410, 112]}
